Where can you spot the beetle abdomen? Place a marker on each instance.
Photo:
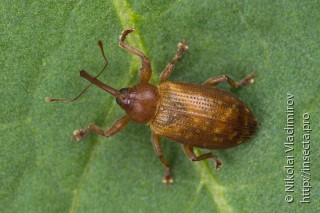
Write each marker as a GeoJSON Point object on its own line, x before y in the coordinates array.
{"type": "Point", "coordinates": [202, 116]}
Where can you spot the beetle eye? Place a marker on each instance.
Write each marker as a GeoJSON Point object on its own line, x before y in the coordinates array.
{"type": "Point", "coordinates": [123, 90]}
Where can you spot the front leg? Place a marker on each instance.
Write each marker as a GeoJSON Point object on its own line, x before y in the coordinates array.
{"type": "Point", "coordinates": [117, 126]}
{"type": "Point", "coordinates": [145, 70]}
{"type": "Point", "coordinates": [182, 48]}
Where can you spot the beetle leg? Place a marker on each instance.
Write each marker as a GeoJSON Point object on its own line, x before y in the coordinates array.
{"type": "Point", "coordinates": [235, 84]}
{"type": "Point", "coordinates": [167, 179]}
{"type": "Point", "coordinates": [117, 126]}
{"type": "Point", "coordinates": [182, 48]}
{"type": "Point", "coordinates": [192, 156]}
{"type": "Point", "coordinates": [145, 71]}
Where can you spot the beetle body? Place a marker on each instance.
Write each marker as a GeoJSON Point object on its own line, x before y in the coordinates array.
{"type": "Point", "coordinates": [200, 116]}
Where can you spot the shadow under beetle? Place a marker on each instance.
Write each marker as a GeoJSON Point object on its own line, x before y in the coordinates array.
{"type": "Point", "coordinates": [200, 116]}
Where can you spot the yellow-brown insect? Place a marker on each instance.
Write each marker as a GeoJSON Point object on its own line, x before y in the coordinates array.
{"type": "Point", "coordinates": [195, 115]}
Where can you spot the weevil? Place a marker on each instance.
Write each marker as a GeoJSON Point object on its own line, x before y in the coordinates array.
{"type": "Point", "coordinates": [200, 116]}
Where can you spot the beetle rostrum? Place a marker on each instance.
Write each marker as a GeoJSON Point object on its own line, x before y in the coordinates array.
{"type": "Point", "coordinates": [201, 116]}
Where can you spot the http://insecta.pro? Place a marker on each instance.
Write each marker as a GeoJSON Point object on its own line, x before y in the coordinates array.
{"type": "Point", "coordinates": [201, 116]}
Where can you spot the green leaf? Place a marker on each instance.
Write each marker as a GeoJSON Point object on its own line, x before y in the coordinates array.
{"type": "Point", "coordinates": [45, 44]}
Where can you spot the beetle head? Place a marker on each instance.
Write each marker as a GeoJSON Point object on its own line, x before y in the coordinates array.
{"type": "Point", "coordinates": [140, 101]}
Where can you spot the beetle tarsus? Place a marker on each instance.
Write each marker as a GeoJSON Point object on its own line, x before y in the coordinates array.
{"type": "Point", "coordinates": [249, 79]}
{"type": "Point", "coordinates": [125, 33]}
{"type": "Point", "coordinates": [218, 163]}
{"type": "Point", "coordinates": [167, 180]}
{"type": "Point", "coordinates": [182, 46]}
{"type": "Point", "coordinates": [78, 135]}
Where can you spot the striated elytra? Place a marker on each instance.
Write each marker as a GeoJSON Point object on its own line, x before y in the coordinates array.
{"type": "Point", "coordinates": [201, 116]}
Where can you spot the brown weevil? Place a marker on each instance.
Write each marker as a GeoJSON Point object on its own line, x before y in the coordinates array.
{"type": "Point", "coordinates": [201, 116]}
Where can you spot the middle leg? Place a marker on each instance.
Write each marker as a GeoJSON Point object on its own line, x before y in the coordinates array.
{"type": "Point", "coordinates": [182, 48]}
{"type": "Point", "coordinates": [167, 179]}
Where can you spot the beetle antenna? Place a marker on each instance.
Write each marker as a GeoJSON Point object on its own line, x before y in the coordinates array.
{"type": "Point", "coordinates": [48, 99]}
